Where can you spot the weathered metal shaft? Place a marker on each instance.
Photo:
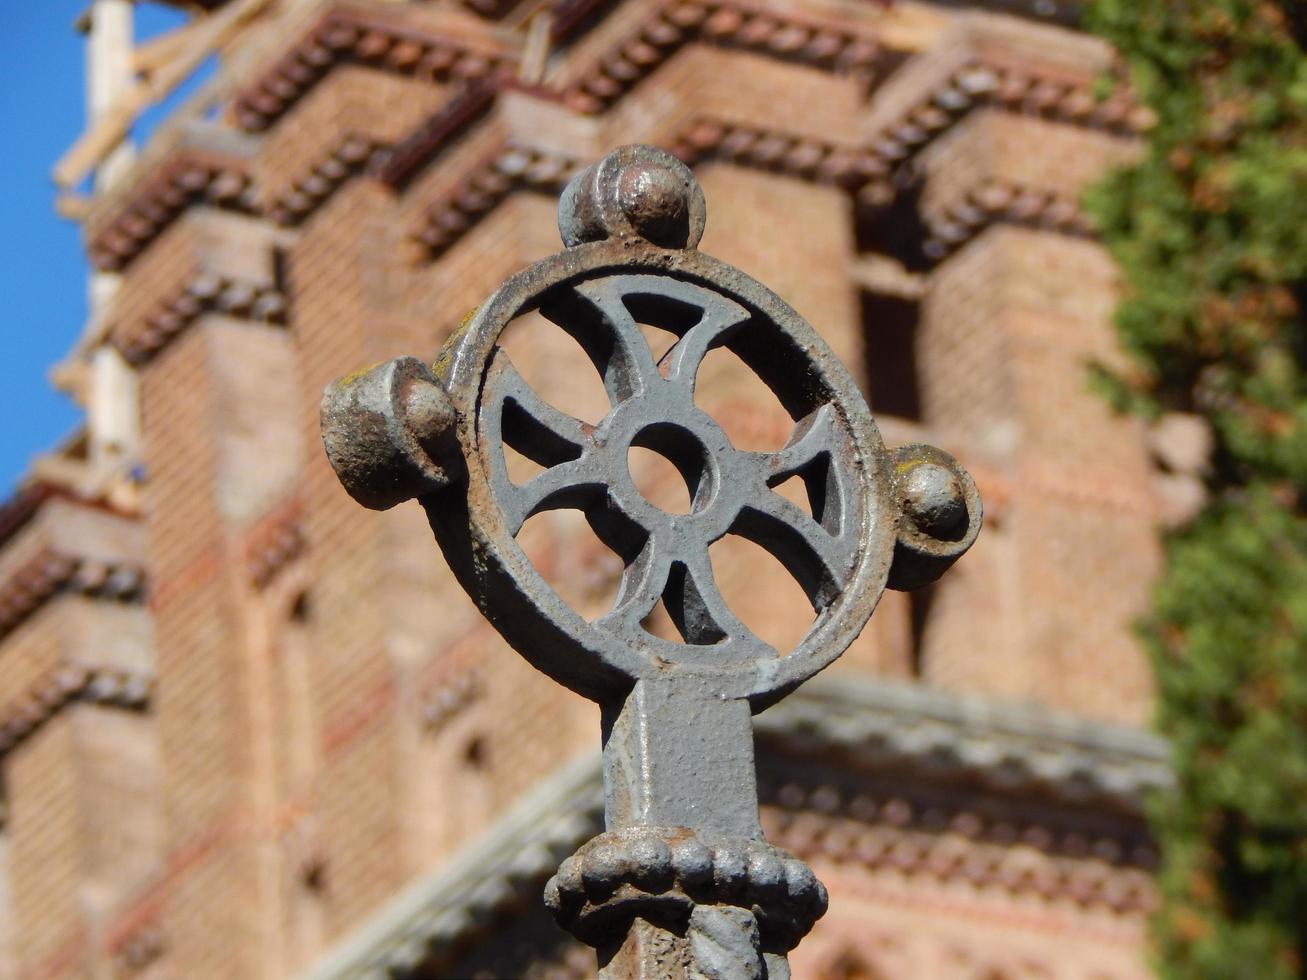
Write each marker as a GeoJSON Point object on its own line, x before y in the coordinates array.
{"type": "Point", "coordinates": [683, 885]}
{"type": "Point", "coordinates": [679, 756]}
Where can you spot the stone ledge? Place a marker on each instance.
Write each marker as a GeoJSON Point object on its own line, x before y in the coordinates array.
{"type": "Point", "coordinates": [443, 912]}
{"type": "Point", "coordinates": [1010, 746]}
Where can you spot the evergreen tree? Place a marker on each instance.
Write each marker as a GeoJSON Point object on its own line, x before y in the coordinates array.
{"type": "Point", "coordinates": [1210, 232]}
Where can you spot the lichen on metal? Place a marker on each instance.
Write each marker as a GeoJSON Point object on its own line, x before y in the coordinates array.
{"type": "Point", "coordinates": [682, 884]}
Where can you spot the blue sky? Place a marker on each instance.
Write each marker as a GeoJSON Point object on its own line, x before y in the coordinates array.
{"type": "Point", "coordinates": [43, 272]}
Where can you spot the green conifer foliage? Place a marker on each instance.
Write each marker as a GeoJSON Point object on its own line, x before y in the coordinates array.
{"type": "Point", "coordinates": [1210, 232]}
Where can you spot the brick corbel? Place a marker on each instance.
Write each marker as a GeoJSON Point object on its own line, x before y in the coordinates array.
{"type": "Point", "coordinates": [181, 180]}
{"type": "Point", "coordinates": [995, 201]}
{"type": "Point", "coordinates": [941, 193]}
{"type": "Point", "coordinates": [140, 340]}
{"type": "Point", "coordinates": [52, 573]}
{"type": "Point", "coordinates": [726, 24]}
{"type": "Point", "coordinates": [345, 36]}
{"type": "Point", "coordinates": [418, 149]}
{"type": "Point", "coordinates": [981, 82]}
{"type": "Point", "coordinates": [70, 684]}
{"type": "Point", "coordinates": [490, 182]}
{"type": "Point", "coordinates": [351, 156]}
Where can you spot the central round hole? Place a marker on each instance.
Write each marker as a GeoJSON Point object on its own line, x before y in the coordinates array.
{"type": "Point", "coordinates": [658, 480]}
{"type": "Point", "coordinates": [667, 465]}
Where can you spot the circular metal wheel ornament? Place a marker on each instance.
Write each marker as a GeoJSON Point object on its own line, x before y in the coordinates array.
{"type": "Point", "coordinates": [682, 873]}
{"type": "Point", "coordinates": [612, 278]}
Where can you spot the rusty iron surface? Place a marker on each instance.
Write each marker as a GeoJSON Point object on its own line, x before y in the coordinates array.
{"type": "Point", "coordinates": [683, 884]}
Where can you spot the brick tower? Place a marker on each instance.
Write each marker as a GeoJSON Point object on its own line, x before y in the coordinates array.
{"type": "Point", "coordinates": [250, 730]}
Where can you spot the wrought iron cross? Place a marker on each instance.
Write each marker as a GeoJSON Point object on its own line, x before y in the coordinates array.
{"type": "Point", "coordinates": [682, 884]}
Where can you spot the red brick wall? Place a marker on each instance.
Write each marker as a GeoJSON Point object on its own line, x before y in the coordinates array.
{"type": "Point", "coordinates": [331, 715]}
{"type": "Point", "coordinates": [45, 859]}
{"type": "Point", "coordinates": [1045, 602]}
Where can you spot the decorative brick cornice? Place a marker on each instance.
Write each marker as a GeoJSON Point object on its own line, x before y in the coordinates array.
{"type": "Point", "coordinates": [727, 24]}
{"type": "Point", "coordinates": [65, 685]}
{"type": "Point", "coordinates": [355, 37]}
{"type": "Point", "coordinates": [1019, 89]}
{"type": "Point", "coordinates": [181, 181]}
{"type": "Point", "coordinates": [350, 157]}
{"type": "Point", "coordinates": [52, 573]}
{"type": "Point", "coordinates": [140, 340]}
{"type": "Point", "coordinates": [517, 167]}
{"type": "Point", "coordinates": [821, 813]}
{"type": "Point", "coordinates": [497, 176]}
{"type": "Point", "coordinates": [1087, 879]}
{"type": "Point", "coordinates": [775, 150]}
{"type": "Point", "coordinates": [996, 201]}
{"type": "Point", "coordinates": [866, 170]}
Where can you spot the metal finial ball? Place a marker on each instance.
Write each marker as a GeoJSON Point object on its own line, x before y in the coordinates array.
{"type": "Point", "coordinates": [638, 192]}
{"type": "Point", "coordinates": [934, 499]}
{"type": "Point", "coordinates": [656, 200]}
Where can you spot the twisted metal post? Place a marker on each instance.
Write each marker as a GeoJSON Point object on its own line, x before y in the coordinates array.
{"type": "Point", "coordinates": [682, 884]}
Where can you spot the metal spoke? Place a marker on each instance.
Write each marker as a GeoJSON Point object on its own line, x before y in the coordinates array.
{"type": "Point", "coordinates": [543, 434]}
{"type": "Point", "coordinates": [721, 318]}
{"type": "Point", "coordinates": [814, 548]}
{"type": "Point", "coordinates": [595, 315]}
{"type": "Point", "coordinates": [688, 608]}
{"type": "Point", "coordinates": [642, 586]}
{"type": "Point", "coordinates": [816, 442]}
{"type": "Point", "coordinates": [818, 561]}
{"type": "Point", "coordinates": [703, 609]}
{"type": "Point", "coordinates": [814, 434]}
{"type": "Point", "coordinates": [530, 424]}
{"type": "Point", "coordinates": [575, 484]}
